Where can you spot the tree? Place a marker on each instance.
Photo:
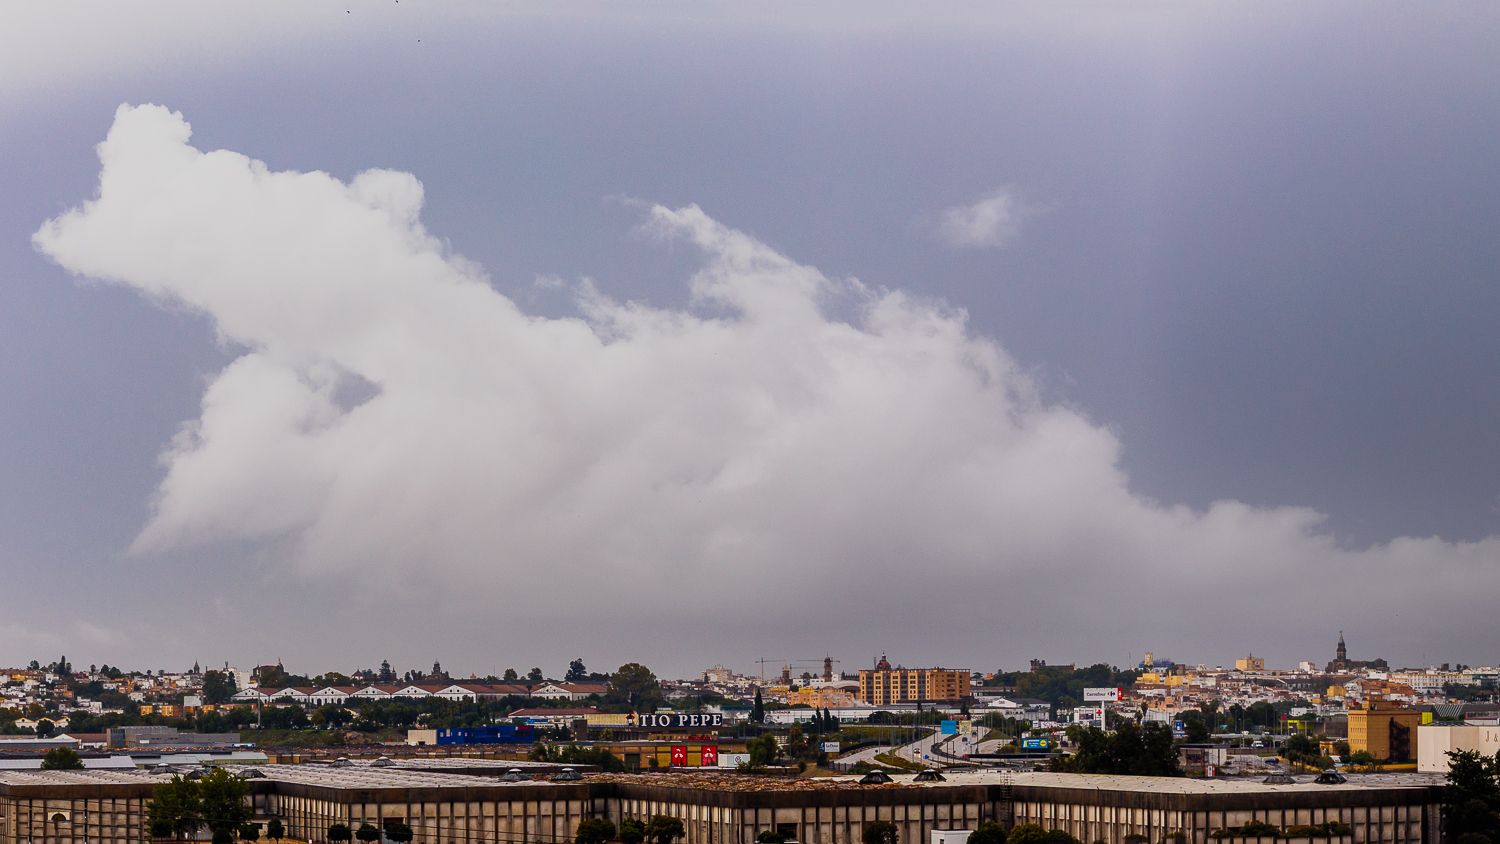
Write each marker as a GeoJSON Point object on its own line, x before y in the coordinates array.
{"type": "Point", "coordinates": [222, 796]}
{"type": "Point", "coordinates": [45, 729]}
{"type": "Point", "coordinates": [339, 832]}
{"type": "Point", "coordinates": [367, 833]}
{"type": "Point", "coordinates": [634, 685]}
{"type": "Point", "coordinates": [1030, 833]}
{"type": "Point", "coordinates": [632, 831]}
{"type": "Point", "coordinates": [399, 832]}
{"type": "Point", "coordinates": [988, 832]}
{"type": "Point", "coordinates": [664, 829]}
{"type": "Point", "coordinates": [62, 759]}
{"type": "Point", "coordinates": [880, 832]}
{"type": "Point", "coordinates": [218, 687]}
{"type": "Point", "coordinates": [770, 836]}
{"type": "Point", "coordinates": [1130, 749]}
{"type": "Point", "coordinates": [387, 673]}
{"type": "Point", "coordinates": [797, 744]}
{"type": "Point", "coordinates": [758, 710]}
{"type": "Point", "coordinates": [1362, 759]}
{"type": "Point", "coordinates": [1471, 804]}
{"type": "Point", "coordinates": [594, 830]}
{"type": "Point", "coordinates": [275, 830]}
{"type": "Point", "coordinates": [1302, 750]}
{"type": "Point", "coordinates": [535, 676]}
{"type": "Point", "coordinates": [576, 672]}
{"type": "Point", "coordinates": [1194, 729]}
{"type": "Point", "coordinates": [511, 676]}
{"type": "Point", "coordinates": [250, 832]}
{"type": "Point", "coordinates": [176, 810]}
{"type": "Point", "coordinates": [763, 750]}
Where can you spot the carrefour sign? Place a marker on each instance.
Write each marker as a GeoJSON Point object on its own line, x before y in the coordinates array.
{"type": "Point", "coordinates": [1101, 694]}
{"type": "Point", "coordinates": [677, 720]}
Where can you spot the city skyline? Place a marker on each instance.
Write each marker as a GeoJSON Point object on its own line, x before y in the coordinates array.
{"type": "Point", "coordinates": [973, 336]}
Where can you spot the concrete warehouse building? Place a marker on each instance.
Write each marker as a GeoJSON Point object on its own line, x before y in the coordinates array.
{"type": "Point", "coordinates": [109, 807]}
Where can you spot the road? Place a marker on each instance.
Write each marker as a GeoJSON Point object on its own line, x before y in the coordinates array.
{"type": "Point", "coordinates": [921, 750]}
{"type": "Point", "coordinates": [864, 754]}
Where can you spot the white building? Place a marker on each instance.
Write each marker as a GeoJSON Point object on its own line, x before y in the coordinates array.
{"type": "Point", "coordinates": [1435, 740]}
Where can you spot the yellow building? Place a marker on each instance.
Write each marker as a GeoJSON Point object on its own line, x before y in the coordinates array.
{"type": "Point", "coordinates": [820, 698]}
{"type": "Point", "coordinates": [1250, 663]}
{"type": "Point", "coordinates": [1384, 730]}
{"type": "Point", "coordinates": [885, 685]}
{"type": "Point", "coordinates": [1171, 681]}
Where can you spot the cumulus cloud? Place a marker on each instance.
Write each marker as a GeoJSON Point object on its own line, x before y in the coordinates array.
{"type": "Point", "coordinates": [990, 222]}
{"type": "Point", "coordinates": [791, 442]}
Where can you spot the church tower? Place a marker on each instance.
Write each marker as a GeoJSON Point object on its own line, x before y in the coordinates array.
{"type": "Point", "coordinates": [1341, 654]}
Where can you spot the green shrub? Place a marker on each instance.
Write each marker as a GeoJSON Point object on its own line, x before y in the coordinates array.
{"type": "Point", "coordinates": [989, 832]}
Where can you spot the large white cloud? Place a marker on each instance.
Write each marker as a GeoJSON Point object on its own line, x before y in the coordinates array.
{"type": "Point", "coordinates": [755, 447]}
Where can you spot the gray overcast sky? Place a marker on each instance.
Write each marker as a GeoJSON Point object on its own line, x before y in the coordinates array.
{"type": "Point", "coordinates": [1227, 380]}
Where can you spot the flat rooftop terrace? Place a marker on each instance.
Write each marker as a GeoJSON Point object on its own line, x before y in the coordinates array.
{"type": "Point", "coordinates": [345, 781]}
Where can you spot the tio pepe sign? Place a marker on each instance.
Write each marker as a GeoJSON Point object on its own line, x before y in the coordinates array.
{"type": "Point", "coordinates": [679, 720]}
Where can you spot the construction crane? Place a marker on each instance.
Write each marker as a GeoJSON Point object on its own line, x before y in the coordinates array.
{"type": "Point", "coordinates": [763, 660]}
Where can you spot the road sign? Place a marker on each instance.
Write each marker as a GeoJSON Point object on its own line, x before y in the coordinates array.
{"type": "Point", "coordinates": [949, 728]}
{"type": "Point", "coordinates": [965, 727]}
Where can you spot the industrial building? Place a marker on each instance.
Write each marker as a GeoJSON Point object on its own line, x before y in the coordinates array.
{"type": "Point", "coordinates": [458, 801]}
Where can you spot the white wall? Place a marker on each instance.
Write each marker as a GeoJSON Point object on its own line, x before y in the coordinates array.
{"type": "Point", "coordinates": [1434, 742]}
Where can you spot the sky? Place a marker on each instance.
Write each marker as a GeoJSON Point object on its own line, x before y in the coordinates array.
{"type": "Point", "coordinates": [504, 334]}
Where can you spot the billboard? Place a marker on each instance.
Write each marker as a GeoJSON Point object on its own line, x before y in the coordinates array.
{"type": "Point", "coordinates": [679, 755]}
{"type": "Point", "coordinates": [500, 734]}
{"type": "Point", "coordinates": [830, 747]}
{"type": "Point", "coordinates": [1036, 744]}
{"type": "Point", "coordinates": [676, 720]}
{"type": "Point", "coordinates": [710, 755]}
{"type": "Point", "coordinates": [1101, 694]}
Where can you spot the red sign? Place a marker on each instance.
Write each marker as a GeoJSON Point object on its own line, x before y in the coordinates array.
{"type": "Point", "coordinates": [679, 754]}
{"type": "Point", "coordinates": [710, 755]}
